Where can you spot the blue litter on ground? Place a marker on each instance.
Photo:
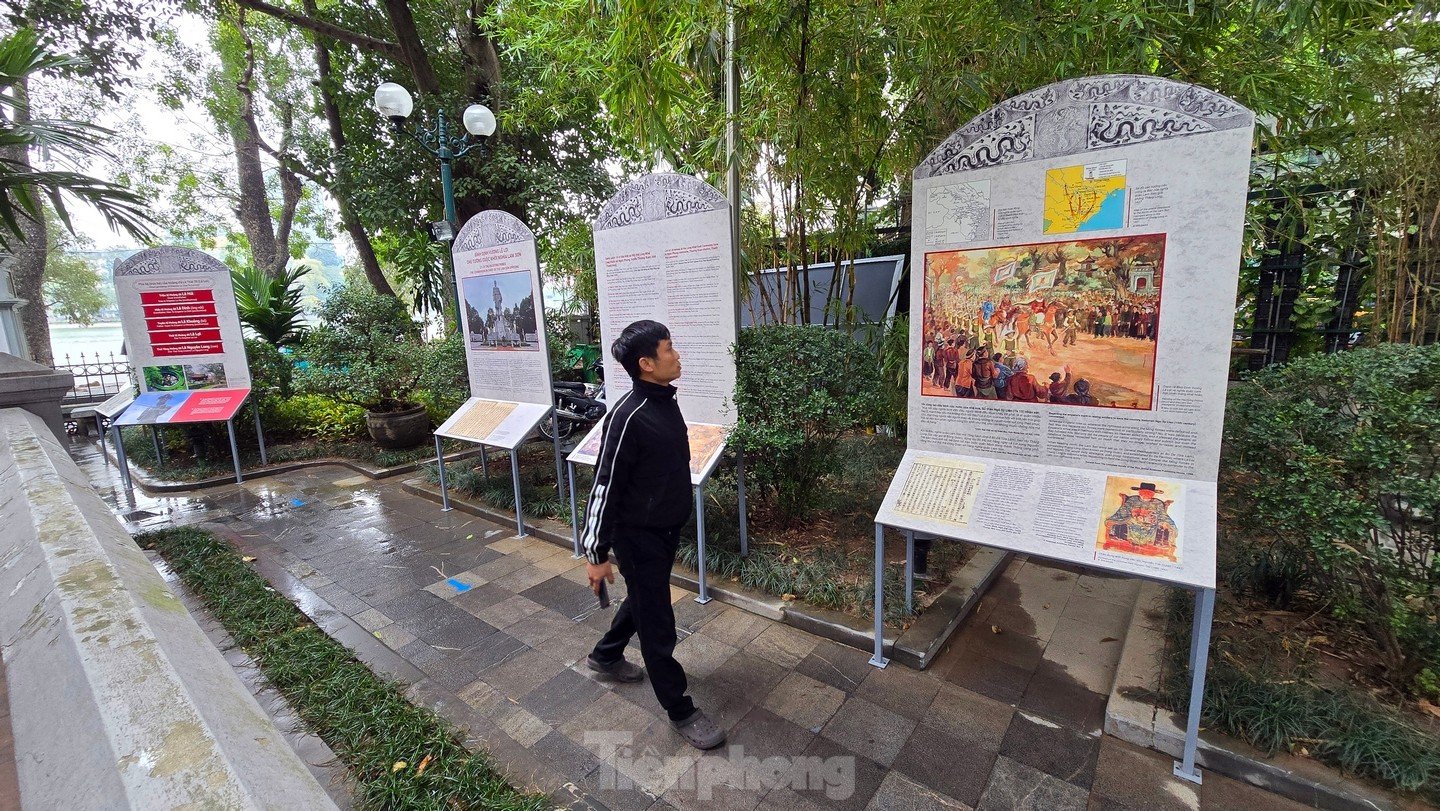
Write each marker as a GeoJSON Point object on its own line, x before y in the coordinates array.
{"type": "Point", "coordinates": [459, 585]}
{"type": "Point", "coordinates": [295, 502]}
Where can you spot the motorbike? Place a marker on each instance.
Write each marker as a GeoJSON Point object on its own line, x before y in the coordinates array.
{"type": "Point", "coordinates": [577, 405]}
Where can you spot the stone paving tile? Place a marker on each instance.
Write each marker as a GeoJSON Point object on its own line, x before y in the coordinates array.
{"type": "Point", "coordinates": [521, 673]}
{"type": "Point", "coordinates": [969, 716]}
{"type": "Point", "coordinates": [1109, 588]}
{"type": "Point", "coordinates": [988, 677]}
{"type": "Point", "coordinates": [394, 636]}
{"type": "Point", "coordinates": [783, 645]}
{"type": "Point", "coordinates": [900, 689]}
{"type": "Point", "coordinates": [9, 779]}
{"type": "Point", "coordinates": [844, 780]}
{"type": "Point", "coordinates": [839, 666]}
{"type": "Point", "coordinates": [900, 793]}
{"type": "Point", "coordinates": [562, 696]}
{"type": "Point", "coordinates": [931, 756]}
{"type": "Point", "coordinates": [617, 791]}
{"type": "Point", "coordinates": [509, 611]}
{"type": "Point", "coordinates": [731, 777]}
{"type": "Point", "coordinates": [1220, 792]}
{"type": "Point", "coordinates": [1129, 777]}
{"type": "Point", "coordinates": [747, 675]}
{"type": "Point", "coordinates": [1110, 619]}
{"type": "Point", "coordinates": [869, 729]}
{"type": "Point", "coordinates": [702, 654]}
{"type": "Point", "coordinates": [1016, 787]}
{"type": "Point", "coordinates": [559, 594]}
{"type": "Point", "coordinates": [803, 701]}
{"type": "Point", "coordinates": [721, 706]}
{"type": "Point", "coordinates": [735, 627]}
{"type": "Point", "coordinates": [1054, 694]}
{"type": "Point", "coordinates": [1053, 749]}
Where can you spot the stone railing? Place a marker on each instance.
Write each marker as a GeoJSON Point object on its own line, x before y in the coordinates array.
{"type": "Point", "coordinates": [117, 698]}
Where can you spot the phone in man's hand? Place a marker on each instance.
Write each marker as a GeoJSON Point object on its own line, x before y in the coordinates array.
{"type": "Point", "coordinates": [604, 595]}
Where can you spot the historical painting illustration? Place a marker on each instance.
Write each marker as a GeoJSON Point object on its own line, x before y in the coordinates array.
{"type": "Point", "coordinates": [500, 311]}
{"type": "Point", "coordinates": [1139, 518]}
{"type": "Point", "coordinates": [1065, 323]}
{"type": "Point", "coordinates": [706, 440]}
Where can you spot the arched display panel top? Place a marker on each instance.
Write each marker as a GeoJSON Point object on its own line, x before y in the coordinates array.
{"type": "Point", "coordinates": [490, 228]}
{"type": "Point", "coordinates": [1077, 115]}
{"type": "Point", "coordinates": [170, 259]}
{"type": "Point", "coordinates": [658, 197]}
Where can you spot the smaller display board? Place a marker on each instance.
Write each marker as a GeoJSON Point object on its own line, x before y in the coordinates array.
{"type": "Point", "coordinates": [182, 331]}
{"type": "Point", "coordinates": [497, 423]}
{"type": "Point", "coordinates": [706, 443]}
{"type": "Point", "coordinates": [1160, 528]}
{"type": "Point", "coordinates": [116, 405]}
{"type": "Point", "coordinates": [175, 407]}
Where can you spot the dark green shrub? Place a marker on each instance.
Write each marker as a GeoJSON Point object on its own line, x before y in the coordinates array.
{"type": "Point", "coordinates": [1339, 456]}
{"type": "Point", "coordinates": [444, 377]}
{"type": "Point", "coordinates": [270, 305]}
{"type": "Point", "coordinates": [366, 351]}
{"type": "Point", "coordinates": [798, 389]}
{"type": "Point", "coordinates": [271, 371]}
{"type": "Point", "coordinates": [312, 415]}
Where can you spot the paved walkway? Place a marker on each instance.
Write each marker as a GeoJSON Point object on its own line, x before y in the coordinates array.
{"type": "Point", "coordinates": [488, 628]}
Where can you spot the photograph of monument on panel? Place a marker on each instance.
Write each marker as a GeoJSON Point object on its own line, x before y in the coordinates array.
{"type": "Point", "coordinates": [500, 311]}
{"type": "Point", "coordinates": [1073, 322]}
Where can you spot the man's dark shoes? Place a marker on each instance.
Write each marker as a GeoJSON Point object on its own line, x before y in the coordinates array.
{"type": "Point", "coordinates": [622, 671]}
{"type": "Point", "coordinates": [699, 731]}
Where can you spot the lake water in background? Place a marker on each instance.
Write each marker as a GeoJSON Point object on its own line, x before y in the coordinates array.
{"type": "Point", "coordinates": [96, 339]}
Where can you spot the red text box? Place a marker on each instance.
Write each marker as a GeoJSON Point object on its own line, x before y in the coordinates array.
{"type": "Point", "coordinates": [170, 310]}
{"type": "Point", "coordinates": [176, 296]}
{"type": "Point", "coordinates": [184, 336]}
{"type": "Point", "coordinates": [186, 350]}
{"type": "Point", "coordinates": [190, 322]}
{"type": "Point", "coordinates": [216, 405]}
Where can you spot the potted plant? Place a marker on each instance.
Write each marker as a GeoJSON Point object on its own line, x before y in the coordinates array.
{"type": "Point", "coordinates": [367, 352]}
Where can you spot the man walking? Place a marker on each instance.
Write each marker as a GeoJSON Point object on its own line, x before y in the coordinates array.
{"type": "Point", "coordinates": [640, 501]}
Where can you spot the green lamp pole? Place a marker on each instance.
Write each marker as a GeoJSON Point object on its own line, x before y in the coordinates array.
{"type": "Point", "coordinates": [394, 102]}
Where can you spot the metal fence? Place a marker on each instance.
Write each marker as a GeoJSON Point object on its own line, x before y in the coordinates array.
{"type": "Point", "coordinates": [97, 377]}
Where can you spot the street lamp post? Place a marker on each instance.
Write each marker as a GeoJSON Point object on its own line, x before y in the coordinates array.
{"type": "Point", "coordinates": [395, 103]}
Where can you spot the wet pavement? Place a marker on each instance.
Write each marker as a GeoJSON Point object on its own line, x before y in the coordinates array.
{"type": "Point", "coordinates": [491, 630]}
{"type": "Point", "coordinates": [9, 782]}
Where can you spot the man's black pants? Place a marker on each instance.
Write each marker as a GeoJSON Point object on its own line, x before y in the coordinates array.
{"type": "Point", "coordinates": [646, 557]}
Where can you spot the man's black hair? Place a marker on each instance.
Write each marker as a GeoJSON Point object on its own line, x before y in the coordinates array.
{"type": "Point", "coordinates": [639, 340]}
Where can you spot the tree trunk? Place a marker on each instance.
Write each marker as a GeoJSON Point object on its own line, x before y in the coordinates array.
{"type": "Point", "coordinates": [27, 267]}
{"type": "Point", "coordinates": [253, 208]}
{"type": "Point", "coordinates": [336, 126]}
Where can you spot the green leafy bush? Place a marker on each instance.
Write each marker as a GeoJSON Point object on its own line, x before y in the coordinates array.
{"type": "Point", "coordinates": [444, 377]}
{"type": "Point", "coordinates": [1339, 456]}
{"type": "Point", "coordinates": [366, 351]}
{"type": "Point", "coordinates": [271, 371]}
{"type": "Point", "coordinates": [313, 415]}
{"type": "Point", "coordinates": [798, 389]}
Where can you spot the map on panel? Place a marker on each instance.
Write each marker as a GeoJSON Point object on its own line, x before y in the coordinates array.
{"type": "Point", "coordinates": [957, 213]}
{"type": "Point", "coordinates": [1090, 197]}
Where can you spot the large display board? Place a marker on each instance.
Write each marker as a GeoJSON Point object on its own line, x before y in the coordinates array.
{"type": "Point", "coordinates": [663, 251]}
{"type": "Point", "coordinates": [1088, 233]}
{"type": "Point", "coordinates": [182, 332]}
{"type": "Point", "coordinates": [497, 276]}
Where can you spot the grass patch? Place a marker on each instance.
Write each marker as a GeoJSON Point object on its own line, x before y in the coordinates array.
{"type": "Point", "coordinates": [367, 721]}
{"type": "Point", "coordinates": [1278, 706]}
{"type": "Point", "coordinates": [182, 465]}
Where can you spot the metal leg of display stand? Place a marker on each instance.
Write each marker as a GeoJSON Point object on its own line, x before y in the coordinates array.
{"type": "Point", "coordinates": [1199, 662]}
{"type": "Point", "coordinates": [123, 463]}
{"type": "Point", "coordinates": [879, 659]}
{"type": "Point", "coordinates": [574, 518]}
{"type": "Point", "coordinates": [440, 462]}
{"type": "Point", "coordinates": [260, 437]}
{"type": "Point", "coordinates": [100, 430]}
{"type": "Point", "coordinates": [909, 572]}
{"type": "Point", "coordinates": [704, 596]}
{"type": "Point", "coordinates": [155, 443]}
{"type": "Point", "coordinates": [559, 466]}
{"type": "Point", "coordinates": [515, 477]}
{"type": "Point", "coordinates": [744, 522]}
{"type": "Point", "coordinates": [234, 450]}
{"type": "Point", "coordinates": [484, 464]}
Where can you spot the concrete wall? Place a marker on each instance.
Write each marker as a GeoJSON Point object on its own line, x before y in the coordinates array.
{"type": "Point", "coordinates": [117, 697]}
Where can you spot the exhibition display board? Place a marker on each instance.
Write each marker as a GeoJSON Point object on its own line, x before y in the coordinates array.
{"type": "Point", "coordinates": [664, 251]}
{"type": "Point", "coordinates": [182, 331]}
{"type": "Point", "coordinates": [497, 278]}
{"type": "Point", "coordinates": [183, 339]}
{"type": "Point", "coordinates": [1075, 252]}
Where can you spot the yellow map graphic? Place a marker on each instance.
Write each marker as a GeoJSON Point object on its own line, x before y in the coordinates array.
{"type": "Point", "coordinates": [1085, 198]}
